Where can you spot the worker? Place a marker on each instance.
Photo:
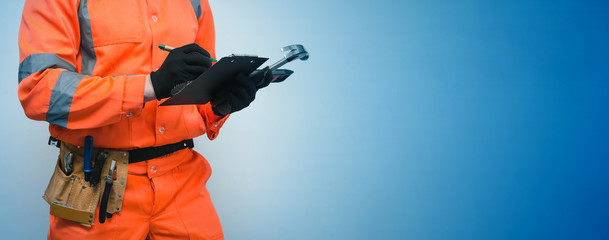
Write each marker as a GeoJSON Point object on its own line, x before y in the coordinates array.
{"type": "Point", "coordinates": [92, 68]}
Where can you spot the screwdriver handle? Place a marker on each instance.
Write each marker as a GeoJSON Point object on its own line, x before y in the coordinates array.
{"type": "Point", "coordinates": [88, 157]}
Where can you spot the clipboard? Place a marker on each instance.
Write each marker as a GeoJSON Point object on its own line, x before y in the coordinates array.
{"type": "Point", "coordinates": [200, 90]}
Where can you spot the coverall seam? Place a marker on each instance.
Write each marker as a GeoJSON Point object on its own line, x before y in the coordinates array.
{"type": "Point", "coordinates": [153, 212]}
{"type": "Point", "coordinates": [115, 223]}
{"type": "Point", "coordinates": [175, 182]}
{"type": "Point", "coordinates": [117, 42]}
{"type": "Point", "coordinates": [184, 122]}
{"type": "Point", "coordinates": [130, 127]}
{"type": "Point", "coordinates": [152, 38]}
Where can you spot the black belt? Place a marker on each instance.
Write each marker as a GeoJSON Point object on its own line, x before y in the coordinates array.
{"type": "Point", "coordinates": [143, 154]}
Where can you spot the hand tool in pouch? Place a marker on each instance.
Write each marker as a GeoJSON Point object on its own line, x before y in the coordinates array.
{"type": "Point", "coordinates": [88, 157]}
{"type": "Point", "coordinates": [100, 159]}
{"type": "Point", "coordinates": [103, 205]}
{"type": "Point", "coordinates": [68, 158]}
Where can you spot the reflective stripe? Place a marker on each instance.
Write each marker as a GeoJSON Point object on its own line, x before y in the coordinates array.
{"type": "Point", "coordinates": [196, 5]}
{"type": "Point", "coordinates": [86, 40]}
{"type": "Point", "coordinates": [41, 61]}
{"type": "Point", "coordinates": [61, 98]}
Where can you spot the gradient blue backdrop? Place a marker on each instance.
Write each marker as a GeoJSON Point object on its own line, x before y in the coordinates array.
{"type": "Point", "coordinates": [411, 120]}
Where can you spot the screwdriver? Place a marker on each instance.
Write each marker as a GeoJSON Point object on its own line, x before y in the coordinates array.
{"type": "Point", "coordinates": [88, 157]}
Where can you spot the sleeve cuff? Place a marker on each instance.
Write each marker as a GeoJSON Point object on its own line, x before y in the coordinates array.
{"type": "Point", "coordinates": [213, 122]}
{"type": "Point", "coordinates": [133, 99]}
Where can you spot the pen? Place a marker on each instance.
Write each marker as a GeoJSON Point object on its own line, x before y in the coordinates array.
{"type": "Point", "coordinates": [168, 48]}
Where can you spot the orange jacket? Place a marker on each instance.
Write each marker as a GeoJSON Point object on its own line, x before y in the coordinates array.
{"type": "Point", "coordinates": [83, 66]}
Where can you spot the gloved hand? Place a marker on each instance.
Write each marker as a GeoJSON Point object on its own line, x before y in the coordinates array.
{"type": "Point", "coordinates": [240, 92]}
{"type": "Point", "coordinates": [262, 77]}
{"type": "Point", "coordinates": [181, 65]}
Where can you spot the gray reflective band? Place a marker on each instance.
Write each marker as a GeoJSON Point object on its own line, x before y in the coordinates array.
{"type": "Point", "coordinates": [61, 98]}
{"type": "Point", "coordinates": [41, 61]}
{"type": "Point", "coordinates": [86, 39]}
{"type": "Point", "coordinates": [196, 5]}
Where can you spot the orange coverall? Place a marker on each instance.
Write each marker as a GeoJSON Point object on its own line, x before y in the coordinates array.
{"type": "Point", "coordinates": [82, 69]}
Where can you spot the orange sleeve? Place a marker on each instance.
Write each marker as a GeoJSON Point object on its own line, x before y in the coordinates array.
{"type": "Point", "coordinates": [51, 86]}
{"type": "Point", "coordinates": [206, 38]}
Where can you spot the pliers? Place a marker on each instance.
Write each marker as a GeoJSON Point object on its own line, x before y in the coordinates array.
{"type": "Point", "coordinates": [103, 205]}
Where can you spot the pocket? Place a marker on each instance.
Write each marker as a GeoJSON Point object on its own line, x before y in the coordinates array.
{"type": "Point", "coordinates": [119, 186]}
{"type": "Point", "coordinates": [60, 186]}
{"type": "Point", "coordinates": [117, 21]}
{"type": "Point", "coordinates": [206, 167]}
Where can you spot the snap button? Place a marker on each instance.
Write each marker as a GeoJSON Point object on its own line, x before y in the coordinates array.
{"type": "Point", "coordinates": [153, 169]}
{"type": "Point", "coordinates": [155, 18]}
{"type": "Point", "coordinates": [129, 114]}
{"type": "Point", "coordinates": [161, 129]}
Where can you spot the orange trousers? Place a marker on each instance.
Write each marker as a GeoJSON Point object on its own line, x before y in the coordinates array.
{"type": "Point", "coordinates": [165, 198]}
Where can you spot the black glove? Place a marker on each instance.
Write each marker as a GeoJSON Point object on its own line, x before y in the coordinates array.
{"type": "Point", "coordinates": [181, 65]}
{"type": "Point", "coordinates": [240, 92]}
{"type": "Point", "coordinates": [262, 77]}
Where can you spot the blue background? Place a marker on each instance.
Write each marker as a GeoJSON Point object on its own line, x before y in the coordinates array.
{"type": "Point", "coordinates": [411, 120]}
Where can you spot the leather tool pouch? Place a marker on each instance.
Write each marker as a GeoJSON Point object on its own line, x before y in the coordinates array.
{"type": "Point", "coordinates": [72, 198]}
